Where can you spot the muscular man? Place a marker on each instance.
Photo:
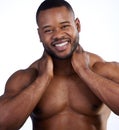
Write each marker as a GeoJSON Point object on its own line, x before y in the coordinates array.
{"type": "Point", "coordinates": [67, 88]}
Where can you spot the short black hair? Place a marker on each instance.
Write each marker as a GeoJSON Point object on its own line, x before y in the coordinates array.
{"type": "Point", "coordinates": [48, 4]}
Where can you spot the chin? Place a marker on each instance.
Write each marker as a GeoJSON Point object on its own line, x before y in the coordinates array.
{"type": "Point", "coordinates": [62, 57]}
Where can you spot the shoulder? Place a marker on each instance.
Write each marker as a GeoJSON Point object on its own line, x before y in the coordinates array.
{"type": "Point", "coordinates": [109, 70]}
{"type": "Point", "coordinates": [21, 75]}
{"type": "Point", "coordinates": [94, 59]}
{"type": "Point", "coordinates": [20, 80]}
{"type": "Point", "coordinates": [106, 67]}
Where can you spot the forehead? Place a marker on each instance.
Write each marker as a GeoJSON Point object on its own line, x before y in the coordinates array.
{"type": "Point", "coordinates": [58, 14]}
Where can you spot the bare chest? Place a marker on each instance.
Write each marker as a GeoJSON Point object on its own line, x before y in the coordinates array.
{"type": "Point", "coordinates": [65, 93]}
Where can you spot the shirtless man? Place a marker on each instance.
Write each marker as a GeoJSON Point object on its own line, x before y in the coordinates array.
{"type": "Point", "coordinates": [67, 88]}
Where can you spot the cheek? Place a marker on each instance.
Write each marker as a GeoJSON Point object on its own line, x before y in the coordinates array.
{"type": "Point", "coordinates": [73, 32]}
{"type": "Point", "coordinates": [76, 33]}
{"type": "Point", "coordinates": [75, 37]}
{"type": "Point", "coordinates": [44, 39]}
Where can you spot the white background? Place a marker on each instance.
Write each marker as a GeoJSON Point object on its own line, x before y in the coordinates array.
{"type": "Point", "coordinates": [20, 46]}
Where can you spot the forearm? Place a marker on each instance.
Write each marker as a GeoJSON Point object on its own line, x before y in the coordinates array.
{"type": "Point", "coordinates": [105, 89]}
{"type": "Point", "coordinates": [16, 109]}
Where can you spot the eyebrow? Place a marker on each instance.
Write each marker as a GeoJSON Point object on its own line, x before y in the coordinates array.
{"type": "Point", "coordinates": [48, 26]}
{"type": "Point", "coordinates": [65, 22]}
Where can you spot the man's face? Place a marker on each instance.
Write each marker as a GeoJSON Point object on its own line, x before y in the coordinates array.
{"type": "Point", "coordinates": [58, 31]}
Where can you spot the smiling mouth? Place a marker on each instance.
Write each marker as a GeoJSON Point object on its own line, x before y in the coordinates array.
{"type": "Point", "coordinates": [61, 46]}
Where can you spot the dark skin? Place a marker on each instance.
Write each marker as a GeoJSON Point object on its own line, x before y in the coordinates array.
{"type": "Point", "coordinates": [67, 88]}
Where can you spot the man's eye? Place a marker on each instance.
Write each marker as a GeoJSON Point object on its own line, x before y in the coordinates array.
{"type": "Point", "coordinates": [48, 31]}
{"type": "Point", "coordinates": [65, 26]}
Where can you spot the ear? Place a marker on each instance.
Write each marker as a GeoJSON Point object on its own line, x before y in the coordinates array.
{"type": "Point", "coordinates": [77, 22]}
{"type": "Point", "coordinates": [39, 33]}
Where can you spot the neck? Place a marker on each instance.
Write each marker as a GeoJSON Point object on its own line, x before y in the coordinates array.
{"type": "Point", "coordinates": [62, 67]}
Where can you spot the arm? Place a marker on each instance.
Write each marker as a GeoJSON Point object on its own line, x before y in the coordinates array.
{"type": "Point", "coordinates": [22, 93]}
{"type": "Point", "coordinates": [102, 78]}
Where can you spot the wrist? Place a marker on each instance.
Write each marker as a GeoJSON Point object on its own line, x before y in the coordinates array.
{"type": "Point", "coordinates": [43, 80]}
{"type": "Point", "coordinates": [84, 72]}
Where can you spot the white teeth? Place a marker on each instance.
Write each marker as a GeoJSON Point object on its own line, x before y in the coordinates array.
{"type": "Point", "coordinates": [62, 44]}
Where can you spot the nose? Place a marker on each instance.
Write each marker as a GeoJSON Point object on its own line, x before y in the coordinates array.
{"type": "Point", "coordinates": [58, 34]}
